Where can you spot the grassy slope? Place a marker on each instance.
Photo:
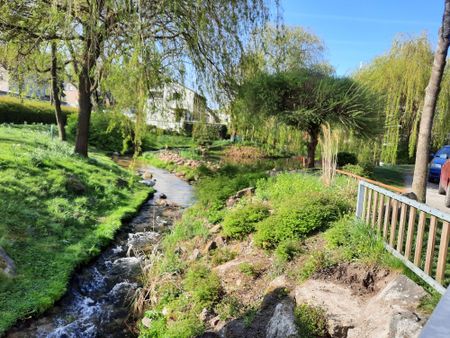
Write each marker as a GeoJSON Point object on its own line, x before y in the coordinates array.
{"type": "Point", "coordinates": [48, 228]}
{"type": "Point", "coordinates": [392, 175]}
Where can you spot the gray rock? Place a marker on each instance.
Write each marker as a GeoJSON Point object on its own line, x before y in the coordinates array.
{"type": "Point", "coordinates": [282, 323]}
{"type": "Point", "coordinates": [148, 183]}
{"type": "Point", "coordinates": [403, 292]}
{"type": "Point", "coordinates": [7, 265]}
{"type": "Point", "coordinates": [195, 255]}
{"type": "Point", "coordinates": [405, 325]}
{"type": "Point", "coordinates": [147, 322]}
{"type": "Point", "coordinates": [215, 229]}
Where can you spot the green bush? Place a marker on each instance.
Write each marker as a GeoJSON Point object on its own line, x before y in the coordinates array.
{"type": "Point", "coordinates": [14, 110]}
{"type": "Point", "coordinates": [287, 250]}
{"type": "Point", "coordinates": [204, 286]}
{"type": "Point", "coordinates": [356, 169]}
{"type": "Point", "coordinates": [314, 212]}
{"type": "Point", "coordinates": [311, 321]}
{"type": "Point", "coordinates": [222, 255]}
{"type": "Point", "coordinates": [248, 269]}
{"type": "Point", "coordinates": [108, 131]}
{"type": "Point", "coordinates": [240, 221]}
{"type": "Point", "coordinates": [356, 240]}
{"type": "Point", "coordinates": [204, 133]}
{"type": "Point", "coordinates": [344, 158]}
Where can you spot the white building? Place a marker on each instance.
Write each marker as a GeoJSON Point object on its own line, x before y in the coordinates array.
{"type": "Point", "coordinates": [37, 90]}
{"type": "Point", "coordinates": [174, 105]}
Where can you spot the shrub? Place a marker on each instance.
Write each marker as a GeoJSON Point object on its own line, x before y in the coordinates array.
{"type": "Point", "coordinates": [356, 240]}
{"type": "Point", "coordinates": [286, 223]}
{"type": "Point", "coordinates": [317, 261]}
{"type": "Point", "coordinates": [356, 169]}
{"type": "Point", "coordinates": [108, 131]}
{"type": "Point", "coordinates": [204, 133]}
{"type": "Point", "coordinates": [287, 250]}
{"type": "Point", "coordinates": [14, 110]}
{"type": "Point", "coordinates": [248, 269]}
{"type": "Point", "coordinates": [241, 220]}
{"type": "Point", "coordinates": [344, 158]}
{"type": "Point", "coordinates": [220, 256]}
{"type": "Point", "coordinates": [203, 285]}
{"type": "Point", "coordinates": [311, 321]}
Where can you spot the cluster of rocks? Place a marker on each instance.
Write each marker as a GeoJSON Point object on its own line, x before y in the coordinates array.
{"type": "Point", "coordinates": [176, 158]}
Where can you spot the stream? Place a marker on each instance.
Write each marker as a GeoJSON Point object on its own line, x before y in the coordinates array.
{"type": "Point", "coordinates": [97, 303]}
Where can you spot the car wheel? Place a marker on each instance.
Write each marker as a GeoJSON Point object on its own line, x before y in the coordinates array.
{"type": "Point", "coordinates": [441, 189]}
{"type": "Point", "coordinates": [447, 199]}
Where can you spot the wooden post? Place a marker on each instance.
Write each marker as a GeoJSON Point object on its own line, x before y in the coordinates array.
{"type": "Point", "coordinates": [401, 228]}
{"type": "Point", "coordinates": [387, 213]}
{"type": "Point", "coordinates": [430, 246]}
{"type": "Point", "coordinates": [369, 204]}
{"type": "Point", "coordinates": [380, 213]}
{"type": "Point", "coordinates": [410, 237]}
{"type": "Point", "coordinates": [443, 249]}
{"type": "Point", "coordinates": [374, 208]}
{"type": "Point", "coordinates": [419, 239]}
{"type": "Point", "coordinates": [393, 223]}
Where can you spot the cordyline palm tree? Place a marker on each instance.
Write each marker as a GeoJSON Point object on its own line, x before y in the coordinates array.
{"type": "Point", "coordinates": [307, 100]}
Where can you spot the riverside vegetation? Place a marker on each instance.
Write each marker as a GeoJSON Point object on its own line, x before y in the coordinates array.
{"type": "Point", "coordinates": [57, 210]}
{"type": "Point", "coordinates": [292, 226]}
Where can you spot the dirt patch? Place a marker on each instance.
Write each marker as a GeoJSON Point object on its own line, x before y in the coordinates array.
{"type": "Point", "coordinates": [361, 279]}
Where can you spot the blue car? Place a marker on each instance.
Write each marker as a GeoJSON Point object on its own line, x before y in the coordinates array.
{"type": "Point", "coordinates": [437, 162]}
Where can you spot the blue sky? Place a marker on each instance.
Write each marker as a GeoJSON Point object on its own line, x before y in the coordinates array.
{"type": "Point", "coordinates": [357, 31]}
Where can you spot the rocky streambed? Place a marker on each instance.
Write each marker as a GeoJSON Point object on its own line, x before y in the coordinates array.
{"type": "Point", "coordinates": [98, 300]}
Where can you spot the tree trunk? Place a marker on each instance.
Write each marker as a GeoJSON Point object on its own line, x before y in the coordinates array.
{"type": "Point", "coordinates": [60, 121]}
{"type": "Point", "coordinates": [431, 95]}
{"type": "Point", "coordinates": [85, 109]}
{"type": "Point", "coordinates": [312, 145]}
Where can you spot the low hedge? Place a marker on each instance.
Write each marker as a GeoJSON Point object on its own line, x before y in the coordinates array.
{"type": "Point", "coordinates": [17, 111]}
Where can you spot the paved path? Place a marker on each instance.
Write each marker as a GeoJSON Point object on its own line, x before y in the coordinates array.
{"type": "Point", "coordinates": [433, 198]}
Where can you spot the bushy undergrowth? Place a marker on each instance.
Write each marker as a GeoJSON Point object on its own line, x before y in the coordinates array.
{"type": "Point", "coordinates": [108, 131]}
{"type": "Point", "coordinates": [311, 321]}
{"type": "Point", "coordinates": [356, 169]}
{"type": "Point", "coordinates": [56, 211]}
{"type": "Point", "coordinates": [15, 110]}
{"type": "Point", "coordinates": [241, 220]}
{"type": "Point", "coordinates": [301, 204]}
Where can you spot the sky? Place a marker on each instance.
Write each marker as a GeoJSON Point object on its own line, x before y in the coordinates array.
{"type": "Point", "coordinates": [356, 31]}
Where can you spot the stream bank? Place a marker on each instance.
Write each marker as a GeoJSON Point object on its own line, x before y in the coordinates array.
{"type": "Point", "coordinates": [98, 300]}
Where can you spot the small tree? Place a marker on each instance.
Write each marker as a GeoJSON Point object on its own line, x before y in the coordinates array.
{"type": "Point", "coordinates": [306, 100]}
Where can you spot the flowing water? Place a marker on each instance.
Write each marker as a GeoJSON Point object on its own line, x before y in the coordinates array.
{"type": "Point", "coordinates": [97, 303]}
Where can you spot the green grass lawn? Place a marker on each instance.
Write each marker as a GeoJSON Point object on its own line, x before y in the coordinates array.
{"type": "Point", "coordinates": [57, 210]}
{"type": "Point", "coordinates": [392, 175]}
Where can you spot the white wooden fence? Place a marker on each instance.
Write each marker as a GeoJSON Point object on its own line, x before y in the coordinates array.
{"type": "Point", "coordinates": [412, 231]}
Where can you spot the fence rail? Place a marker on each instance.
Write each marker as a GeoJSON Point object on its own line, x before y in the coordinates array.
{"type": "Point", "coordinates": [414, 232]}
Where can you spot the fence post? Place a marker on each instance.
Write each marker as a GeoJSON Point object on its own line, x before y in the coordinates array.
{"type": "Point", "coordinates": [360, 201]}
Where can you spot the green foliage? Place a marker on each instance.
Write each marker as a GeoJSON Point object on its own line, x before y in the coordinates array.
{"type": "Point", "coordinates": [344, 158]}
{"type": "Point", "coordinates": [203, 285]}
{"type": "Point", "coordinates": [286, 223]}
{"type": "Point", "coordinates": [157, 139]}
{"type": "Point", "coordinates": [356, 169]}
{"type": "Point", "coordinates": [241, 220]}
{"type": "Point", "coordinates": [228, 308]}
{"type": "Point", "coordinates": [311, 321]}
{"type": "Point", "coordinates": [47, 229]}
{"type": "Point", "coordinates": [248, 269]}
{"type": "Point", "coordinates": [287, 250]}
{"type": "Point", "coordinates": [316, 261]}
{"type": "Point", "coordinates": [203, 133]}
{"type": "Point", "coordinates": [222, 255]}
{"type": "Point", "coordinates": [15, 110]}
{"type": "Point", "coordinates": [356, 240]}
{"type": "Point", "coordinates": [108, 131]}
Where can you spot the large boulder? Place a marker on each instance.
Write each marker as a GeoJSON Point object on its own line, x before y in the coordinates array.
{"type": "Point", "coordinates": [282, 323]}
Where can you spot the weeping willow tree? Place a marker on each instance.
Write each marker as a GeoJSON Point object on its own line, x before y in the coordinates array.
{"type": "Point", "coordinates": [207, 35]}
{"type": "Point", "coordinates": [400, 78]}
